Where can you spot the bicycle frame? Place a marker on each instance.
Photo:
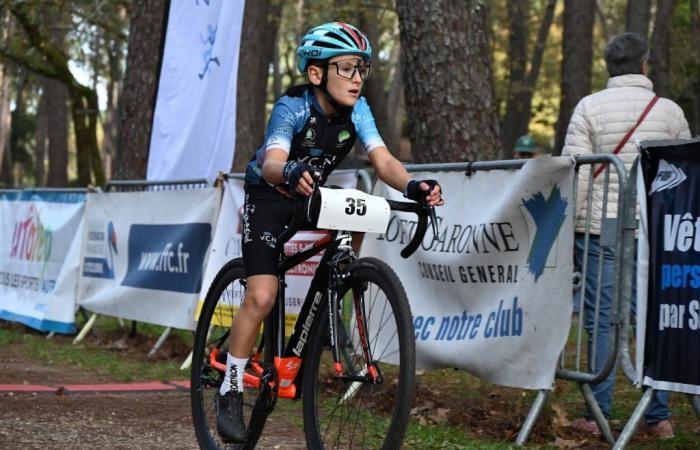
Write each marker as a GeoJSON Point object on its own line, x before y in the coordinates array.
{"type": "Point", "coordinates": [287, 357]}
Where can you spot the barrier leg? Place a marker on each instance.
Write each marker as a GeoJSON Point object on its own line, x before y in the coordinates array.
{"type": "Point", "coordinates": [600, 419]}
{"type": "Point", "coordinates": [634, 420]}
{"type": "Point", "coordinates": [532, 416]}
{"type": "Point", "coordinates": [160, 341]}
{"type": "Point", "coordinates": [88, 325]}
{"type": "Point", "coordinates": [695, 403]}
{"type": "Point", "coordinates": [187, 362]}
{"type": "Point", "coordinates": [50, 335]}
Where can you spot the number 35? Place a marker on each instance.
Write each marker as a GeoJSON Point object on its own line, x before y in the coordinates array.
{"type": "Point", "coordinates": [355, 206]}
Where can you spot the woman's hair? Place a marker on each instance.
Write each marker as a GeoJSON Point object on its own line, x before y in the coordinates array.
{"type": "Point", "coordinates": [625, 53]}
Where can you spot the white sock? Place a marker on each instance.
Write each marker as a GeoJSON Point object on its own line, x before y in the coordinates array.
{"type": "Point", "coordinates": [233, 378]}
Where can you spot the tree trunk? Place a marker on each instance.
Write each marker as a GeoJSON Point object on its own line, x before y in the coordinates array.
{"type": "Point", "coordinates": [261, 21]}
{"type": "Point", "coordinates": [576, 65]}
{"type": "Point", "coordinates": [40, 138]}
{"type": "Point", "coordinates": [660, 44]}
{"type": "Point", "coordinates": [447, 80]}
{"type": "Point", "coordinates": [395, 105]}
{"type": "Point", "coordinates": [57, 99]}
{"type": "Point", "coordinates": [111, 123]}
{"type": "Point", "coordinates": [637, 17]}
{"type": "Point", "coordinates": [603, 20]}
{"type": "Point", "coordinates": [516, 118]}
{"type": "Point", "coordinates": [4, 118]}
{"type": "Point", "coordinates": [5, 21]}
{"type": "Point", "coordinates": [7, 175]}
{"type": "Point", "coordinates": [146, 36]}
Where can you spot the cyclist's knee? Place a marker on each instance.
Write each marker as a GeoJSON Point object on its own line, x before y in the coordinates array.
{"type": "Point", "coordinates": [260, 296]}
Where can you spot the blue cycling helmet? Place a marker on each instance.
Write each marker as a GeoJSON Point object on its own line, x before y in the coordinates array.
{"type": "Point", "coordinates": [332, 39]}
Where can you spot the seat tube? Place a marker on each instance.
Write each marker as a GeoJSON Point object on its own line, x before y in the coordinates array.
{"type": "Point", "coordinates": [278, 314]}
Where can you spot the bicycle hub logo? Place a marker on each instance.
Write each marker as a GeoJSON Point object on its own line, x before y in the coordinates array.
{"type": "Point", "coordinates": [100, 249]}
{"type": "Point", "coordinates": [167, 257]}
{"type": "Point", "coordinates": [31, 240]}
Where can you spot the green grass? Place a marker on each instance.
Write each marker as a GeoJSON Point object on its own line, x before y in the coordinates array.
{"type": "Point", "coordinates": [95, 357]}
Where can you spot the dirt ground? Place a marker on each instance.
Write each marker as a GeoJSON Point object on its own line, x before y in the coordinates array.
{"type": "Point", "coordinates": [56, 420]}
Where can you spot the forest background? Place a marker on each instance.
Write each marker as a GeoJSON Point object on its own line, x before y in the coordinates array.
{"type": "Point", "coordinates": [452, 81]}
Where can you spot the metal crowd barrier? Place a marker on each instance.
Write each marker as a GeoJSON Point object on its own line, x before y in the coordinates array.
{"type": "Point", "coordinates": [138, 186]}
{"type": "Point", "coordinates": [616, 235]}
{"type": "Point", "coordinates": [626, 339]}
{"type": "Point", "coordinates": [145, 185]}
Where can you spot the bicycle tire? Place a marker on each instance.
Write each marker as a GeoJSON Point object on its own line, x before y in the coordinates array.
{"type": "Point", "coordinates": [225, 291]}
{"type": "Point", "coordinates": [352, 414]}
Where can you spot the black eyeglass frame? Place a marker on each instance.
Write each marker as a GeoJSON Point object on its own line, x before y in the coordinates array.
{"type": "Point", "coordinates": [355, 69]}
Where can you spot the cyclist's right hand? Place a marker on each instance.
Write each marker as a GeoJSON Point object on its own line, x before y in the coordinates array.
{"type": "Point", "coordinates": [298, 175]}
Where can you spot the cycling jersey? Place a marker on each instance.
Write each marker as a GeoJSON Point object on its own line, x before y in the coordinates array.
{"type": "Point", "coordinates": [298, 126]}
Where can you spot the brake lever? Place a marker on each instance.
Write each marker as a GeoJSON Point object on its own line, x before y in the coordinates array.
{"type": "Point", "coordinates": [433, 221]}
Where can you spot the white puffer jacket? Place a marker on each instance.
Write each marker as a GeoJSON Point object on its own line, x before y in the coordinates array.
{"type": "Point", "coordinates": [599, 123]}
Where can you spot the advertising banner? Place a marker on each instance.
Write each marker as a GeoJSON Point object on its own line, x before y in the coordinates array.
{"type": "Point", "coordinates": [194, 122]}
{"type": "Point", "coordinates": [227, 245]}
{"type": "Point", "coordinates": [145, 252]}
{"type": "Point", "coordinates": [39, 258]}
{"type": "Point", "coordinates": [491, 293]}
{"type": "Point", "coordinates": [668, 277]}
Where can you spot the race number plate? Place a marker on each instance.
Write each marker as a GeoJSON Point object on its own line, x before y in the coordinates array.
{"type": "Point", "coordinates": [353, 210]}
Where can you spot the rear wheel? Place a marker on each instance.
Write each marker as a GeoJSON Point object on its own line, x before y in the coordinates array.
{"type": "Point", "coordinates": [220, 306]}
{"type": "Point", "coordinates": [355, 410]}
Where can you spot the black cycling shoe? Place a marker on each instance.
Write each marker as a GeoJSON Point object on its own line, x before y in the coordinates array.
{"type": "Point", "coordinates": [229, 417]}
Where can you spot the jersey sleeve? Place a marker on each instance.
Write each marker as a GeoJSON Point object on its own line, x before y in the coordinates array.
{"type": "Point", "coordinates": [366, 128]}
{"type": "Point", "coordinates": [281, 126]}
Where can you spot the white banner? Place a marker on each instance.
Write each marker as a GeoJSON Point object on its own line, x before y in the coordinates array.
{"type": "Point", "coordinates": [194, 122]}
{"type": "Point", "coordinates": [144, 254]}
{"type": "Point", "coordinates": [492, 293]}
{"type": "Point", "coordinates": [39, 258]}
{"type": "Point", "coordinates": [227, 246]}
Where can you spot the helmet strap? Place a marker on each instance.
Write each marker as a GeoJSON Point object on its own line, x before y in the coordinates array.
{"type": "Point", "coordinates": [344, 111]}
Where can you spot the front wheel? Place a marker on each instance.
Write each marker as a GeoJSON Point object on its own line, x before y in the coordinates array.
{"type": "Point", "coordinates": [368, 406]}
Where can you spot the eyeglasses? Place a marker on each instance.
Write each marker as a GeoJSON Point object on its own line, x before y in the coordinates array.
{"type": "Point", "coordinates": [348, 69]}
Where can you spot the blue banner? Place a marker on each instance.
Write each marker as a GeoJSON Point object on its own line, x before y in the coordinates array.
{"type": "Point", "coordinates": [167, 257]}
{"type": "Point", "coordinates": [672, 343]}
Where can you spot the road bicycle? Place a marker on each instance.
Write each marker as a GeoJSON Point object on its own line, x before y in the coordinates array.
{"type": "Point", "coordinates": [351, 355]}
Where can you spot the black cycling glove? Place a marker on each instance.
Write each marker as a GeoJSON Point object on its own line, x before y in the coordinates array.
{"type": "Point", "coordinates": [294, 170]}
{"type": "Point", "coordinates": [414, 192]}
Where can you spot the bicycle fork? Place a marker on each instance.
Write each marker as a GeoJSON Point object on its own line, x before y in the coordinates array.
{"type": "Point", "coordinates": [339, 337]}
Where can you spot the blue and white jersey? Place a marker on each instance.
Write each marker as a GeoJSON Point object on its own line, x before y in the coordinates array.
{"type": "Point", "coordinates": [298, 126]}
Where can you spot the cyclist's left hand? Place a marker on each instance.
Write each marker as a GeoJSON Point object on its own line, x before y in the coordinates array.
{"type": "Point", "coordinates": [416, 190]}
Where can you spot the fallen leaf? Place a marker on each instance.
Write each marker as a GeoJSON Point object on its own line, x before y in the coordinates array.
{"type": "Point", "coordinates": [560, 416]}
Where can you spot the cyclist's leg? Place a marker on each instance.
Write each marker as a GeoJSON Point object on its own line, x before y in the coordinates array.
{"type": "Point", "coordinates": [260, 294]}
{"type": "Point", "coordinates": [265, 214]}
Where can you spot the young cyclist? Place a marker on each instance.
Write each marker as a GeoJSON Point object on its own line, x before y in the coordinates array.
{"type": "Point", "coordinates": [311, 128]}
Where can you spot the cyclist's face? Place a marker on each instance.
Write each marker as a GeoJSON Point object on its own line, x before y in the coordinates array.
{"type": "Point", "coordinates": [346, 75]}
